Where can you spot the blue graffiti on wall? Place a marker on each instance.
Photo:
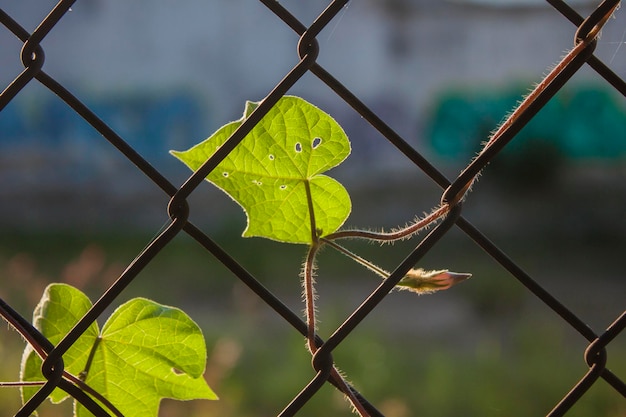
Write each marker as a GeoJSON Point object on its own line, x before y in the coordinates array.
{"type": "Point", "coordinates": [151, 123]}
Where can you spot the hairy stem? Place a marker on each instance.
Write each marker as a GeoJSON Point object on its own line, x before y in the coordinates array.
{"type": "Point", "coordinates": [309, 297]}
{"type": "Point", "coordinates": [388, 237]}
{"type": "Point", "coordinates": [308, 279]}
{"type": "Point", "coordinates": [308, 282]}
{"type": "Point", "coordinates": [534, 95]}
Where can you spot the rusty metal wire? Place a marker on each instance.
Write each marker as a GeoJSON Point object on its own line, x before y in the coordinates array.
{"type": "Point", "coordinates": [33, 59]}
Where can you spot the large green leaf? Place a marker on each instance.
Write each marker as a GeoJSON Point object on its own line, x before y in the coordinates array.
{"type": "Point", "coordinates": [277, 171]}
{"type": "Point", "coordinates": [146, 352]}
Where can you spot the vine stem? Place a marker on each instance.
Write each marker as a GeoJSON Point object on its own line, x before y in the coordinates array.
{"type": "Point", "coordinates": [308, 273]}
{"type": "Point", "coordinates": [525, 106]}
{"type": "Point", "coordinates": [309, 298]}
{"type": "Point", "coordinates": [22, 384]}
{"type": "Point", "coordinates": [395, 235]}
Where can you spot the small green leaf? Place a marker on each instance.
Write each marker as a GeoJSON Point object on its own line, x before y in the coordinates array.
{"type": "Point", "coordinates": [146, 352]}
{"type": "Point", "coordinates": [269, 172]}
{"type": "Point", "coordinates": [59, 309]}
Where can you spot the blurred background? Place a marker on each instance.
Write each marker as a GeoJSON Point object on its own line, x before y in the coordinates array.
{"type": "Point", "coordinates": [443, 74]}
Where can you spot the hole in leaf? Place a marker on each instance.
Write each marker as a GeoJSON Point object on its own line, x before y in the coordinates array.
{"type": "Point", "coordinates": [271, 157]}
{"type": "Point", "coordinates": [177, 371]}
{"type": "Point", "coordinates": [225, 174]}
{"type": "Point", "coordinates": [298, 147]}
{"type": "Point", "coordinates": [283, 187]}
{"type": "Point", "coordinates": [316, 142]}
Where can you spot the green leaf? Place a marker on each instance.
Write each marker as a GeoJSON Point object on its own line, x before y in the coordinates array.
{"type": "Point", "coordinates": [59, 309]}
{"type": "Point", "coordinates": [146, 352]}
{"type": "Point", "coordinates": [277, 171]}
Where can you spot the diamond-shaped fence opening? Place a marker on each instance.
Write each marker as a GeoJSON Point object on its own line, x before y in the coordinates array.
{"type": "Point", "coordinates": [566, 118]}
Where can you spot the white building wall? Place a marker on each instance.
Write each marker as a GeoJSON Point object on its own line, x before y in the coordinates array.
{"type": "Point", "coordinates": [231, 50]}
{"type": "Point", "coordinates": [396, 55]}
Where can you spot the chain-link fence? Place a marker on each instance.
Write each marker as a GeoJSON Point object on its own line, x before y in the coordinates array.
{"type": "Point", "coordinates": [586, 30]}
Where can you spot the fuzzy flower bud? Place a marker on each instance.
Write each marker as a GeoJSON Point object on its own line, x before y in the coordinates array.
{"type": "Point", "coordinates": [426, 282]}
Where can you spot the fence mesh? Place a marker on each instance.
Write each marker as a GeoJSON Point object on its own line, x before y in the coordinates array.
{"type": "Point", "coordinates": [586, 30]}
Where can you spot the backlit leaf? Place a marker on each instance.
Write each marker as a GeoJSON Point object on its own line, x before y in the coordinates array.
{"type": "Point", "coordinates": [277, 171]}
{"type": "Point", "coordinates": [145, 352]}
